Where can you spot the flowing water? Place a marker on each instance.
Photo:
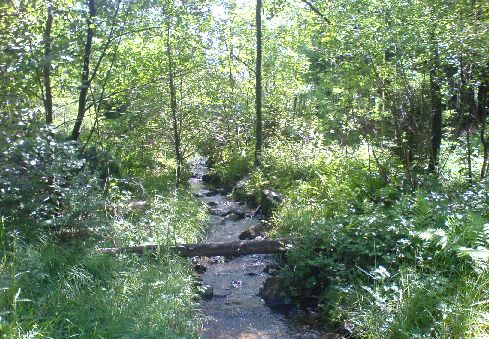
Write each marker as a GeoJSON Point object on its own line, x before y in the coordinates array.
{"type": "Point", "coordinates": [236, 310]}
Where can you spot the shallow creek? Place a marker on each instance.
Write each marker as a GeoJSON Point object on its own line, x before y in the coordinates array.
{"type": "Point", "coordinates": [236, 310]}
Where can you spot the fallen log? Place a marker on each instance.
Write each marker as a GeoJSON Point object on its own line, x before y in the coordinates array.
{"type": "Point", "coordinates": [231, 248]}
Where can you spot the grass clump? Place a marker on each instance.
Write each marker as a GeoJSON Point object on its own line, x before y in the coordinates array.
{"type": "Point", "coordinates": [51, 290]}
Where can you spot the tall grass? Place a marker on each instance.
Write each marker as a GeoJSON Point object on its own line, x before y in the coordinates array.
{"type": "Point", "coordinates": [54, 287]}
{"type": "Point", "coordinates": [57, 291]}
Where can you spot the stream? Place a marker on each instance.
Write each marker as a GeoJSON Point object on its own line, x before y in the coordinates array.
{"type": "Point", "coordinates": [234, 308]}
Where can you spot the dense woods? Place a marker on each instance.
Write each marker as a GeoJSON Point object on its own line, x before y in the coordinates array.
{"type": "Point", "coordinates": [368, 117]}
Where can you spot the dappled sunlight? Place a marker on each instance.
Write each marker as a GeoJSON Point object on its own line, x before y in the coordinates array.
{"type": "Point", "coordinates": [244, 169]}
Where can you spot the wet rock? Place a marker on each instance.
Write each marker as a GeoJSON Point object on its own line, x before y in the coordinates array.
{"type": "Point", "coordinates": [236, 283]}
{"type": "Point", "coordinates": [240, 211]}
{"type": "Point", "coordinates": [212, 193]}
{"type": "Point", "coordinates": [252, 232]}
{"type": "Point", "coordinates": [269, 201]}
{"type": "Point", "coordinates": [206, 292]}
{"type": "Point", "coordinates": [200, 269]}
{"type": "Point", "coordinates": [219, 212]}
{"type": "Point", "coordinates": [274, 295]}
{"type": "Point", "coordinates": [252, 274]}
{"type": "Point", "coordinates": [233, 217]}
{"type": "Point", "coordinates": [271, 269]}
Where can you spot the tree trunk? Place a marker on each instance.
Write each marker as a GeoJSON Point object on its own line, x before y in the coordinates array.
{"type": "Point", "coordinates": [48, 95]}
{"type": "Point", "coordinates": [173, 108]}
{"type": "Point", "coordinates": [436, 109]}
{"type": "Point", "coordinates": [232, 248]}
{"type": "Point", "coordinates": [465, 114]}
{"type": "Point", "coordinates": [258, 88]}
{"type": "Point", "coordinates": [85, 83]}
{"type": "Point", "coordinates": [482, 105]}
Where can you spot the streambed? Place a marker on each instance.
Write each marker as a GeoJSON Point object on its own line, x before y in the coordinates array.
{"type": "Point", "coordinates": [235, 309]}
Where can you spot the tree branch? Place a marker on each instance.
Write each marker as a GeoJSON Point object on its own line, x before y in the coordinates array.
{"type": "Point", "coordinates": [315, 10]}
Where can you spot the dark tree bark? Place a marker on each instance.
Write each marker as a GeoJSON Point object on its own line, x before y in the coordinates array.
{"type": "Point", "coordinates": [173, 108]}
{"type": "Point", "coordinates": [48, 95]}
{"type": "Point", "coordinates": [258, 87]}
{"type": "Point", "coordinates": [85, 82]}
{"type": "Point", "coordinates": [436, 111]}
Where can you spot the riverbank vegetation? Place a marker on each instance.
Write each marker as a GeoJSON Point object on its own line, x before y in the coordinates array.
{"type": "Point", "coordinates": [368, 117]}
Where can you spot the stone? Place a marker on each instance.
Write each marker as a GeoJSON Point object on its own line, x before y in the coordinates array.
{"type": "Point", "coordinates": [211, 193]}
{"type": "Point", "coordinates": [274, 295]}
{"type": "Point", "coordinates": [200, 269]}
{"type": "Point", "coordinates": [233, 217]}
{"type": "Point", "coordinates": [269, 200]}
{"type": "Point", "coordinates": [240, 211]}
{"type": "Point", "coordinates": [252, 232]}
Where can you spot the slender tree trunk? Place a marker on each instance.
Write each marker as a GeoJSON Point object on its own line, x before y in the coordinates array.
{"type": "Point", "coordinates": [485, 148]}
{"type": "Point", "coordinates": [85, 82]}
{"type": "Point", "coordinates": [482, 104]}
{"type": "Point", "coordinates": [173, 108]}
{"type": "Point", "coordinates": [436, 110]}
{"type": "Point", "coordinates": [48, 96]}
{"type": "Point", "coordinates": [466, 112]}
{"type": "Point", "coordinates": [258, 88]}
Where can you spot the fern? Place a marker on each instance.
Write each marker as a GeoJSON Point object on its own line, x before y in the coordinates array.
{"type": "Point", "coordinates": [422, 213]}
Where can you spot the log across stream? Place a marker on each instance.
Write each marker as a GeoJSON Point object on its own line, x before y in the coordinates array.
{"type": "Point", "coordinates": [228, 248]}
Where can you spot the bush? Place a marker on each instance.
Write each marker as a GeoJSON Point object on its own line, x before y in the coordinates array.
{"type": "Point", "coordinates": [232, 167]}
{"type": "Point", "coordinates": [45, 184]}
{"type": "Point", "coordinates": [384, 261]}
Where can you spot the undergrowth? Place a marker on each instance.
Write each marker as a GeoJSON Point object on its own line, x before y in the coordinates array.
{"type": "Point", "coordinates": [379, 258]}
{"type": "Point", "coordinates": [57, 208]}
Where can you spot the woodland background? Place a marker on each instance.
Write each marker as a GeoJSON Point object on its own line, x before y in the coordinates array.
{"type": "Point", "coordinates": [373, 127]}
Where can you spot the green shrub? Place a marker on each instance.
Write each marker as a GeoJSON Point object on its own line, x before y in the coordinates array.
{"type": "Point", "coordinates": [386, 262]}
{"type": "Point", "coordinates": [46, 185]}
{"type": "Point", "coordinates": [232, 167]}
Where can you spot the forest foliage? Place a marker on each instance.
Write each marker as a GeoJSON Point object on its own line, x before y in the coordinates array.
{"type": "Point", "coordinates": [373, 116]}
